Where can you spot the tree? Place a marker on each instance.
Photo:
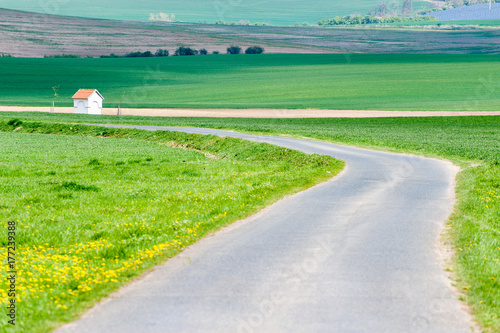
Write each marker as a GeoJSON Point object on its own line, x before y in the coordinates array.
{"type": "Point", "coordinates": [120, 104]}
{"type": "Point", "coordinates": [234, 50]}
{"type": "Point", "coordinates": [161, 53]}
{"type": "Point", "coordinates": [254, 50]}
{"type": "Point", "coordinates": [55, 89]}
{"type": "Point", "coordinates": [185, 51]}
{"type": "Point", "coordinates": [112, 55]}
{"type": "Point", "coordinates": [134, 54]}
{"type": "Point", "coordinates": [203, 52]}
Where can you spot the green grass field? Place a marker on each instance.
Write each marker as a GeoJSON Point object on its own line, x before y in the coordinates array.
{"type": "Point", "coordinates": [277, 12]}
{"type": "Point", "coordinates": [471, 142]}
{"type": "Point", "coordinates": [352, 82]}
{"type": "Point", "coordinates": [96, 207]}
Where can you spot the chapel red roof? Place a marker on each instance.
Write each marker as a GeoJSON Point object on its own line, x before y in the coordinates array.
{"type": "Point", "coordinates": [85, 93]}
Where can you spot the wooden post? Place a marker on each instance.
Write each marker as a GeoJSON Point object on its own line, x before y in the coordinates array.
{"type": "Point", "coordinates": [120, 103]}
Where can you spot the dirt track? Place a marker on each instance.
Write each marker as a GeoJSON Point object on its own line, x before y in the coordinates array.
{"type": "Point", "coordinates": [263, 113]}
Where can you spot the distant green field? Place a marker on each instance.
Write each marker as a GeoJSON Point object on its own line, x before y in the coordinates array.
{"type": "Point", "coordinates": [355, 81]}
{"type": "Point", "coordinates": [277, 12]}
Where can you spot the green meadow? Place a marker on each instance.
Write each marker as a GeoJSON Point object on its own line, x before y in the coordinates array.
{"type": "Point", "coordinates": [343, 81]}
{"type": "Point", "coordinates": [96, 207]}
{"type": "Point", "coordinates": [276, 12]}
{"type": "Point", "coordinates": [470, 142]}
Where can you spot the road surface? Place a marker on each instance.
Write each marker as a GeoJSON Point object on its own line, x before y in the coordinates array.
{"type": "Point", "coordinates": [359, 253]}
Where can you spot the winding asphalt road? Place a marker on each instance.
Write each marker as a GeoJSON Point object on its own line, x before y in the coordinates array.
{"type": "Point", "coordinates": [359, 253]}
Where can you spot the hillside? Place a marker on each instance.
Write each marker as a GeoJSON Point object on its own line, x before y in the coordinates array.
{"type": "Point", "coordinates": [292, 81]}
{"type": "Point", "coordinates": [35, 35]}
{"type": "Point", "coordinates": [276, 12]}
{"type": "Point", "coordinates": [476, 12]}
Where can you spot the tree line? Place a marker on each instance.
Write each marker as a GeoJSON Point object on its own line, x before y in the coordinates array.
{"type": "Point", "coordinates": [370, 19]}
{"type": "Point", "coordinates": [187, 51]}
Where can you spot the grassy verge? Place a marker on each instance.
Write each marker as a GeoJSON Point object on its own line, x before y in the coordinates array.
{"type": "Point", "coordinates": [95, 207]}
{"type": "Point", "coordinates": [472, 142]}
{"type": "Point", "coordinates": [324, 81]}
